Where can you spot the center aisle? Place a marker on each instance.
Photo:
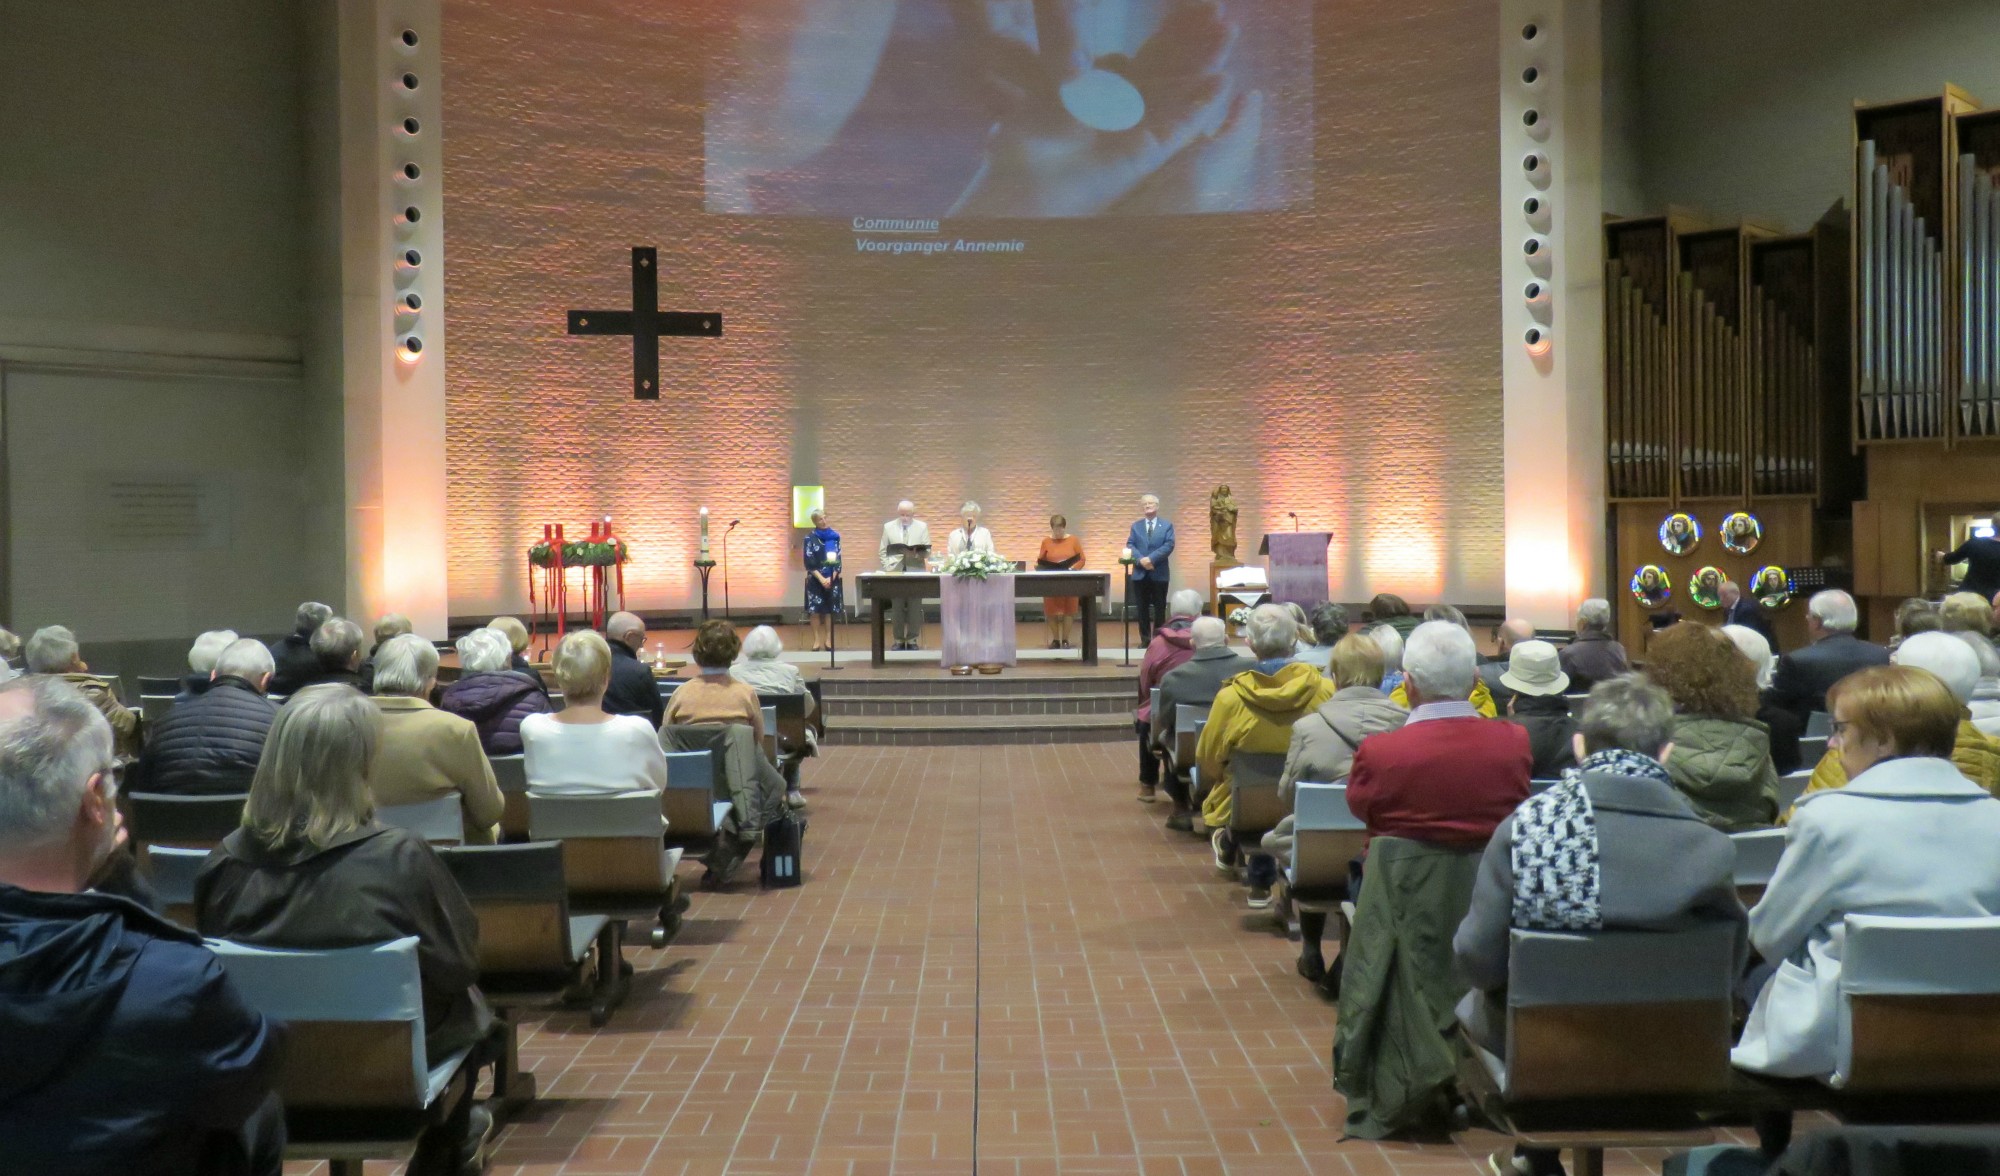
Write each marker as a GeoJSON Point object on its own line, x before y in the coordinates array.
{"type": "Point", "coordinates": [997, 953]}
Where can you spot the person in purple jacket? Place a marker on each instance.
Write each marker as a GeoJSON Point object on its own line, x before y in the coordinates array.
{"type": "Point", "coordinates": [493, 695]}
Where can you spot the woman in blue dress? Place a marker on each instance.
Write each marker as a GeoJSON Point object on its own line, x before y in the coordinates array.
{"type": "Point", "coordinates": [822, 558]}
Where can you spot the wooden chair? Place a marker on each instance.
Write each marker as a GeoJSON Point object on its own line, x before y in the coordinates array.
{"type": "Point", "coordinates": [1188, 738]}
{"type": "Point", "coordinates": [172, 870]}
{"type": "Point", "coordinates": [1326, 837]}
{"type": "Point", "coordinates": [154, 707]}
{"type": "Point", "coordinates": [511, 773]}
{"type": "Point", "coordinates": [613, 861]}
{"type": "Point", "coordinates": [167, 687]}
{"type": "Point", "coordinates": [1614, 1039]}
{"type": "Point", "coordinates": [193, 822]}
{"type": "Point", "coordinates": [1188, 721]}
{"type": "Point", "coordinates": [439, 821]}
{"type": "Point", "coordinates": [1920, 1008]}
{"type": "Point", "coordinates": [530, 947]}
{"type": "Point", "coordinates": [1812, 748]}
{"type": "Point", "coordinates": [1541, 784]}
{"type": "Point", "coordinates": [767, 735]}
{"type": "Point", "coordinates": [355, 1079]}
{"type": "Point", "coordinates": [1791, 786]}
{"type": "Point", "coordinates": [785, 714]}
{"type": "Point", "coordinates": [1254, 809]}
{"type": "Point", "coordinates": [1819, 725]}
{"type": "Point", "coordinates": [1757, 854]}
{"type": "Point", "coordinates": [693, 811]}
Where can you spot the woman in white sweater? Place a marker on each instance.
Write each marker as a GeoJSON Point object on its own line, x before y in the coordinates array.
{"type": "Point", "coordinates": [580, 750]}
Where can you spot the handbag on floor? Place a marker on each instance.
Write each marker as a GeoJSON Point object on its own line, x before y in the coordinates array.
{"type": "Point", "coordinates": [784, 839]}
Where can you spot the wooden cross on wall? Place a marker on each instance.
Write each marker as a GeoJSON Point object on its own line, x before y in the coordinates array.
{"type": "Point", "coordinates": [645, 322]}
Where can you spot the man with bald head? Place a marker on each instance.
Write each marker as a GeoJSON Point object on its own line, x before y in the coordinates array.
{"type": "Point", "coordinates": [1511, 632]}
{"type": "Point", "coordinates": [632, 690]}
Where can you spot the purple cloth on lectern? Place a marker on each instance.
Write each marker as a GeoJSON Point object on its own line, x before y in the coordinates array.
{"type": "Point", "coordinates": [1297, 567]}
{"type": "Point", "coordinates": [978, 618]}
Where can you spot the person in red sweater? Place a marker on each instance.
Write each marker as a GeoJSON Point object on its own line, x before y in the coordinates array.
{"type": "Point", "coordinates": [1447, 776]}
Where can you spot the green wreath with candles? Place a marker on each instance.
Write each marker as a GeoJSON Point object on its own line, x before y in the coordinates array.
{"type": "Point", "coordinates": [580, 555]}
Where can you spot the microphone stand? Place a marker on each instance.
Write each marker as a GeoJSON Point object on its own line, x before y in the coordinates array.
{"type": "Point", "coordinates": [1295, 520]}
{"type": "Point", "coordinates": [833, 623]}
{"type": "Point", "coordinates": [1125, 617]}
{"type": "Point", "coordinates": [725, 568]}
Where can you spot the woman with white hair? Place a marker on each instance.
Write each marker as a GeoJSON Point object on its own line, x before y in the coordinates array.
{"type": "Point", "coordinates": [1390, 642]}
{"type": "Point", "coordinates": [426, 753]}
{"type": "Point", "coordinates": [491, 694]}
{"type": "Point", "coordinates": [768, 673]}
{"type": "Point", "coordinates": [1785, 726]}
{"type": "Point", "coordinates": [581, 750]}
{"type": "Point", "coordinates": [969, 535]}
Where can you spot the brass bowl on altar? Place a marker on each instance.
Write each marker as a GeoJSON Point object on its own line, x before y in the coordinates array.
{"type": "Point", "coordinates": [990, 667]}
{"type": "Point", "coordinates": [961, 671]}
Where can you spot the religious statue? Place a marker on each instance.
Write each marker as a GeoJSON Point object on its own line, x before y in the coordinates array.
{"type": "Point", "coordinates": [1222, 525]}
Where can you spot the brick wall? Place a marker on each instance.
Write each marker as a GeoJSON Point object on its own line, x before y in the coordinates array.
{"type": "Point", "coordinates": [1337, 359]}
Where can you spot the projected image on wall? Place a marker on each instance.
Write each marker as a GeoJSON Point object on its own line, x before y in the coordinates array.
{"type": "Point", "coordinates": [1011, 108]}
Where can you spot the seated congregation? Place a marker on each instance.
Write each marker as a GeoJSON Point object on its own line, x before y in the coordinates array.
{"type": "Point", "coordinates": [1601, 901]}
{"type": "Point", "coordinates": [244, 923]}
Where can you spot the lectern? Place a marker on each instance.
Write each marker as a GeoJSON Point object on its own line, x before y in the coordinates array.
{"type": "Point", "coordinates": [1297, 564]}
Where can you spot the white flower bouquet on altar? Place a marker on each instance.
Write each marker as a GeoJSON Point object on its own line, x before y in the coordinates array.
{"type": "Point", "coordinates": [977, 565]}
{"type": "Point", "coordinates": [1239, 617]}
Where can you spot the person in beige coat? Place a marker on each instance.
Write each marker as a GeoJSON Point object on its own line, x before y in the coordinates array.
{"type": "Point", "coordinates": [426, 753]}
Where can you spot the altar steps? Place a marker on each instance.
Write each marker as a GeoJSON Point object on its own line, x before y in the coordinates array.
{"type": "Point", "coordinates": [930, 708]}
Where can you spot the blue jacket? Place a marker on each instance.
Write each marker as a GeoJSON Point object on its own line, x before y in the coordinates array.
{"type": "Point", "coordinates": [126, 1048]}
{"type": "Point", "coordinates": [1158, 550]}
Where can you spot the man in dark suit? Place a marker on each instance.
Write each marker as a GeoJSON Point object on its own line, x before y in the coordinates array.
{"type": "Point", "coordinates": [1981, 556]}
{"type": "Point", "coordinates": [1804, 675]}
{"type": "Point", "coordinates": [297, 664]}
{"type": "Point", "coordinates": [1195, 682]}
{"type": "Point", "coordinates": [1152, 542]}
{"type": "Point", "coordinates": [632, 690]}
{"type": "Point", "coordinates": [1737, 610]}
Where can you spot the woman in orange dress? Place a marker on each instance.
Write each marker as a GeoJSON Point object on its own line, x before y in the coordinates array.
{"type": "Point", "coordinates": [1061, 551]}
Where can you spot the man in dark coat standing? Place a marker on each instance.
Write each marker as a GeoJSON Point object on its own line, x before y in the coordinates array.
{"type": "Point", "coordinates": [1152, 543]}
{"type": "Point", "coordinates": [633, 690]}
{"type": "Point", "coordinates": [127, 1049]}
{"type": "Point", "coordinates": [210, 744]}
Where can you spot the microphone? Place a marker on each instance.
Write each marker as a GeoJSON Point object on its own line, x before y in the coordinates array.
{"type": "Point", "coordinates": [733, 522]}
{"type": "Point", "coordinates": [1294, 516]}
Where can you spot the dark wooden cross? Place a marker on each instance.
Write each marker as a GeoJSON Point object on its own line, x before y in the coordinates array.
{"type": "Point", "coordinates": [645, 322]}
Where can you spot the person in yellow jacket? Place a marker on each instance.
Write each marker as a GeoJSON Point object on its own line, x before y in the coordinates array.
{"type": "Point", "coordinates": [1975, 754]}
{"type": "Point", "coordinates": [1254, 712]}
{"type": "Point", "coordinates": [1481, 700]}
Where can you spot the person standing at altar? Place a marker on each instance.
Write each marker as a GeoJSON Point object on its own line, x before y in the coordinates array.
{"type": "Point", "coordinates": [969, 536]}
{"type": "Point", "coordinates": [823, 594]}
{"type": "Point", "coordinates": [1152, 542]}
{"type": "Point", "coordinates": [899, 534]}
{"type": "Point", "coordinates": [1061, 551]}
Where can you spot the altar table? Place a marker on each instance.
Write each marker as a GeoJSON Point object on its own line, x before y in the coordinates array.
{"type": "Point", "coordinates": [881, 588]}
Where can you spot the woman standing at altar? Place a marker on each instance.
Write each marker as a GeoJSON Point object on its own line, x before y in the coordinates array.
{"type": "Point", "coordinates": [1061, 551]}
{"type": "Point", "coordinates": [969, 535]}
{"type": "Point", "coordinates": [823, 596]}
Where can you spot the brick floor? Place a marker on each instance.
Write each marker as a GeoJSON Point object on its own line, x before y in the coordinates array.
{"type": "Point", "coordinates": [1000, 963]}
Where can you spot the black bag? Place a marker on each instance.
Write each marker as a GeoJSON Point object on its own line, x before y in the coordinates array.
{"type": "Point", "coordinates": [784, 839]}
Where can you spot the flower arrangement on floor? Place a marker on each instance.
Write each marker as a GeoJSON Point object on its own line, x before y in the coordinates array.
{"type": "Point", "coordinates": [977, 565]}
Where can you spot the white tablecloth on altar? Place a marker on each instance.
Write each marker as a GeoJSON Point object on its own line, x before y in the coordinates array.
{"type": "Point", "coordinates": [978, 618]}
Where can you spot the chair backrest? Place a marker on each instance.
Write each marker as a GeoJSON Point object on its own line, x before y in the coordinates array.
{"type": "Point", "coordinates": [155, 707]}
{"type": "Point", "coordinates": [1188, 722]}
{"type": "Point", "coordinates": [667, 686]}
{"type": "Point", "coordinates": [1253, 792]}
{"type": "Point", "coordinates": [611, 844]}
{"type": "Point", "coordinates": [1757, 854]}
{"type": "Point", "coordinates": [354, 1020]}
{"type": "Point", "coordinates": [1812, 748]}
{"type": "Point", "coordinates": [1542, 784]}
{"type": "Point", "coordinates": [1920, 1005]}
{"type": "Point", "coordinates": [511, 773]}
{"type": "Point", "coordinates": [689, 799]}
{"type": "Point", "coordinates": [172, 870]}
{"type": "Point", "coordinates": [789, 713]}
{"type": "Point", "coordinates": [1153, 704]}
{"type": "Point", "coordinates": [439, 820]}
{"type": "Point", "coordinates": [1819, 725]}
{"type": "Point", "coordinates": [166, 686]}
{"type": "Point", "coordinates": [1791, 786]}
{"type": "Point", "coordinates": [199, 822]}
{"type": "Point", "coordinates": [522, 900]}
{"type": "Point", "coordinates": [1326, 837]}
{"type": "Point", "coordinates": [1619, 1014]}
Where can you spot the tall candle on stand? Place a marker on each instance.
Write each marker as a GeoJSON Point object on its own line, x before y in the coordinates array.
{"type": "Point", "coordinates": [704, 533]}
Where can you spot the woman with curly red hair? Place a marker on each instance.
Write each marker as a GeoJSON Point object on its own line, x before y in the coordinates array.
{"type": "Point", "coordinates": [1721, 760]}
